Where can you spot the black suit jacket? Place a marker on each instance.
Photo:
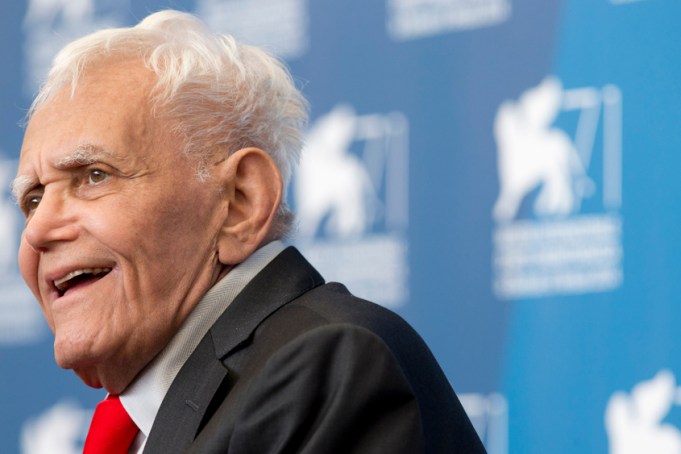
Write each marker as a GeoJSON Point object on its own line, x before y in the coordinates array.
{"type": "Point", "coordinates": [298, 366]}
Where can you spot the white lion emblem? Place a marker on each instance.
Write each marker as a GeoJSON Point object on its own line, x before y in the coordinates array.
{"type": "Point", "coordinates": [532, 153]}
{"type": "Point", "coordinates": [333, 188]}
{"type": "Point", "coordinates": [634, 422]}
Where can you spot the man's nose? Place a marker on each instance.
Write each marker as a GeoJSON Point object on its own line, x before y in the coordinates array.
{"type": "Point", "coordinates": [50, 223]}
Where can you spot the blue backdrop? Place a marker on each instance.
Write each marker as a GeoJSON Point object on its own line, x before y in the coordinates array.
{"type": "Point", "coordinates": [502, 173]}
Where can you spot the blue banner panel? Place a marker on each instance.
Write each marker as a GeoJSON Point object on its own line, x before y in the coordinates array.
{"type": "Point", "coordinates": [502, 173]}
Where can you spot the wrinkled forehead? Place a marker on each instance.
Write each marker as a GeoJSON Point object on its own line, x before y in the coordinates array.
{"type": "Point", "coordinates": [109, 110]}
{"type": "Point", "coordinates": [98, 74]}
{"type": "Point", "coordinates": [111, 89]}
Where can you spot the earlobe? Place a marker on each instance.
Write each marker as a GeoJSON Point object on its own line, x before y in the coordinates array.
{"type": "Point", "coordinates": [253, 188]}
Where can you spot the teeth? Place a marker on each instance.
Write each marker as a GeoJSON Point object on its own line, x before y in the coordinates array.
{"type": "Point", "coordinates": [61, 283]}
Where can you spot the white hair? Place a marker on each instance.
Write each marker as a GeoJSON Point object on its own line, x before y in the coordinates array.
{"type": "Point", "coordinates": [220, 95]}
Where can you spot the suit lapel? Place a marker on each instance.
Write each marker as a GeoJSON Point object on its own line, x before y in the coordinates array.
{"type": "Point", "coordinates": [187, 400]}
{"type": "Point", "coordinates": [288, 276]}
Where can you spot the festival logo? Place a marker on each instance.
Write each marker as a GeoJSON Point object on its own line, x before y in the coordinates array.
{"type": "Point", "coordinates": [558, 227]}
{"type": "Point", "coordinates": [350, 194]}
{"type": "Point", "coordinates": [61, 429]}
{"type": "Point", "coordinates": [20, 317]}
{"type": "Point", "coordinates": [412, 19]}
{"type": "Point", "coordinates": [50, 24]}
{"type": "Point", "coordinates": [535, 154]}
{"type": "Point", "coordinates": [281, 27]}
{"type": "Point", "coordinates": [635, 422]}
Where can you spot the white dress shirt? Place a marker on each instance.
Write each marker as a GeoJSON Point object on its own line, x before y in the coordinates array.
{"type": "Point", "coordinates": [142, 399]}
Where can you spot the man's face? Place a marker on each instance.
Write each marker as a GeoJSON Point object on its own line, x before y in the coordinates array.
{"type": "Point", "coordinates": [120, 237]}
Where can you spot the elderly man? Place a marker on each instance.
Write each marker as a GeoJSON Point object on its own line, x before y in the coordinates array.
{"type": "Point", "coordinates": [151, 177]}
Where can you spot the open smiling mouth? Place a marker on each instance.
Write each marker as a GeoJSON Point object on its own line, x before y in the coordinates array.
{"type": "Point", "coordinates": [79, 277]}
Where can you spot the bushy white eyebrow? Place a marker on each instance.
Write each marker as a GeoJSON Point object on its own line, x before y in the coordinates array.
{"type": "Point", "coordinates": [20, 185]}
{"type": "Point", "coordinates": [83, 155]}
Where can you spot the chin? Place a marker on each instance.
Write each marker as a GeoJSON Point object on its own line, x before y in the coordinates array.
{"type": "Point", "coordinates": [90, 379]}
{"type": "Point", "coordinates": [75, 354]}
{"type": "Point", "coordinates": [82, 362]}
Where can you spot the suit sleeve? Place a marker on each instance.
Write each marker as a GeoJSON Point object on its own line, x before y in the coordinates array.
{"type": "Point", "coordinates": [336, 389]}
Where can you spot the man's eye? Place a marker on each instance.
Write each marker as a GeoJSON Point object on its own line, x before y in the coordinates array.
{"type": "Point", "coordinates": [96, 176]}
{"type": "Point", "coordinates": [31, 203]}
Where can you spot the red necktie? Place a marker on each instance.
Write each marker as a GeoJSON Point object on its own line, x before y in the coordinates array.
{"type": "Point", "coordinates": [111, 430]}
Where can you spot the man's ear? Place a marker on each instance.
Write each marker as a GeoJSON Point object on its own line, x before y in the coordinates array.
{"type": "Point", "coordinates": [253, 190]}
